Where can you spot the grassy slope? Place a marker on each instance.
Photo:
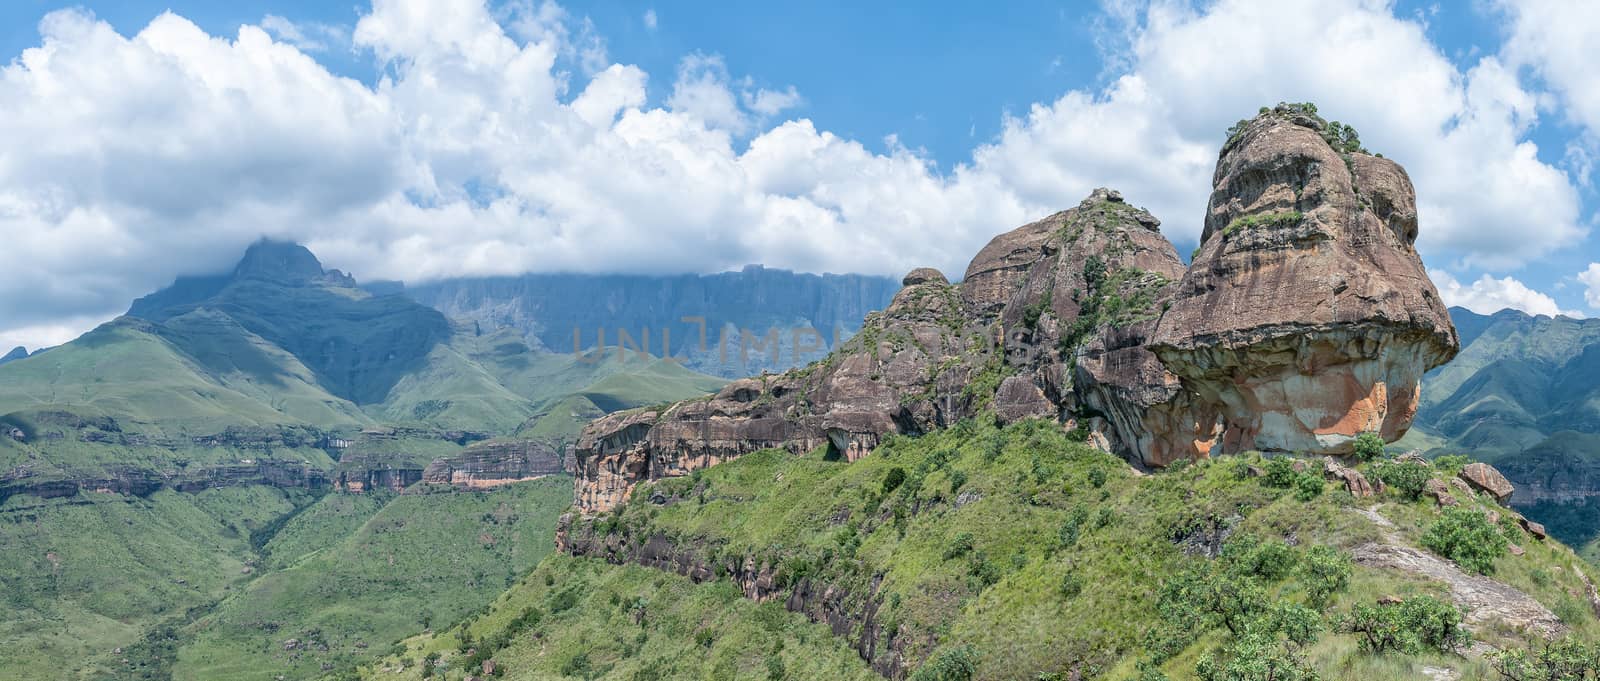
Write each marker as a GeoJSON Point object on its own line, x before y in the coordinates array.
{"type": "Point", "coordinates": [422, 559]}
{"type": "Point", "coordinates": [496, 382]}
{"type": "Point", "coordinates": [83, 576]}
{"type": "Point", "coordinates": [125, 370]}
{"type": "Point", "coordinates": [587, 608]}
{"type": "Point", "coordinates": [785, 510]}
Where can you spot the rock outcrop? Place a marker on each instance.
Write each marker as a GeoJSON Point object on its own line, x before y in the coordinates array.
{"type": "Point", "coordinates": [1306, 317]}
{"type": "Point", "coordinates": [493, 463]}
{"type": "Point", "coordinates": [1305, 320]}
{"type": "Point", "coordinates": [1484, 478]}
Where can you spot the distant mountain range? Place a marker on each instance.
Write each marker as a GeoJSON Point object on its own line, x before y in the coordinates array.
{"type": "Point", "coordinates": [1524, 394]}
{"type": "Point", "coordinates": [732, 324]}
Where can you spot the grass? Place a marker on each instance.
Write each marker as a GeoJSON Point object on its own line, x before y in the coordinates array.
{"type": "Point", "coordinates": [83, 576]}
{"type": "Point", "coordinates": [989, 572]}
{"type": "Point", "coordinates": [597, 621]}
{"type": "Point", "coordinates": [1269, 220]}
{"type": "Point", "coordinates": [420, 560]}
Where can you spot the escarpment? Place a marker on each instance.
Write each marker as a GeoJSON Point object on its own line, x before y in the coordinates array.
{"type": "Point", "coordinates": [1305, 319]}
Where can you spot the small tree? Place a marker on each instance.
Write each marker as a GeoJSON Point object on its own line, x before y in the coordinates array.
{"type": "Point", "coordinates": [1415, 625]}
{"type": "Point", "coordinates": [1465, 536]}
{"type": "Point", "coordinates": [1368, 446]}
{"type": "Point", "coordinates": [1325, 572]}
{"type": "Point", "coordinates": [1405, 477]}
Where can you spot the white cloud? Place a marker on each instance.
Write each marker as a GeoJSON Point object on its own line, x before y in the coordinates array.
{"type": "Point", "coordinates": [309, 36]}
{"type": "Point", "coordinates": [1591, 281]}
{"type": "Point", "coordinates": [1489, 295]}
{"type": "Point", "coordinates": [650, 19]}
{"type": "Point", "coordinates": [1560, 40]}
{"type": "Point", "coordinates": [504, 141]}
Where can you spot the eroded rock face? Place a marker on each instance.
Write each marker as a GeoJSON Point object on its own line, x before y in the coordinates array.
{"type": "Point", "coordinates": [1306, 318]}
{"type": "Point", "coordinates": [490, 464]}
{"type": "Point", "coordinates": [1050, 321]}
{"type": "Point", "coordinates": [903, 373]}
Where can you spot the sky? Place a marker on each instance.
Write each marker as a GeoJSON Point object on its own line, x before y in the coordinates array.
{"type": "Point", "coordinates": [425, 139]}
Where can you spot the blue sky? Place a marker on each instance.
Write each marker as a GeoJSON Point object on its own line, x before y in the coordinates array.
{"type": "Point", "coordinates": [611, 136]}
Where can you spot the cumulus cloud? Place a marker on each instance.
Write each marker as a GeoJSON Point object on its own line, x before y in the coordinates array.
{"type": "Point", "coordinates": [1489, 295]}
{"type": "Point", "coordinates": [308, 36]}
{"type": "Point", "coordinates": [1590, 278]}
{"type": "Point", "coordinates": [503, 141]}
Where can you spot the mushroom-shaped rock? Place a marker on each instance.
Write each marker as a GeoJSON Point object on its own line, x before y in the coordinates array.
{"type": "Point", "coordinates": [924, 275]}
{"type": "Point", "coordinates": [1306, 317]}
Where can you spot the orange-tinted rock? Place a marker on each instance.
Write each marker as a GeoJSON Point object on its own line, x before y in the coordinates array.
{"type": "Point", "coordinates": [1307, 317]}
{"type": "Point", "coordinates": [1484, 478]}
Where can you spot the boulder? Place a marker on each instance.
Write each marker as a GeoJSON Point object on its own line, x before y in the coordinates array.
{"type": "Point", "coordinates": [1306, 317]}
{"type": "Point", "coordinates": [1354, 482]}
{"type": "Point", "coordinates": [1439, 492]}
{"type": "Point", "coordinates": [1533, 528]}
{"type": "Point", "coordinates": [1484, 478]}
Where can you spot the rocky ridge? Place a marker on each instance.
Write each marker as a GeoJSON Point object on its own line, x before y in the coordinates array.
{"type": "Point", "coordinates": [1305, 320]}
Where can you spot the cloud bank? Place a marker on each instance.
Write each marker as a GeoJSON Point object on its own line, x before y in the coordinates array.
{"type": "Point", "coordinates": [504, 141]}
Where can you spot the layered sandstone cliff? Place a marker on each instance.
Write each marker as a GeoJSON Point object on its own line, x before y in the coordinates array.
{"type": "Point", "coordinates": [1305, 320]}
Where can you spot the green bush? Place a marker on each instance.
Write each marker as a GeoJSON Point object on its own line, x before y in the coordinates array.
{"type": "Point", "coordinates": [1451, 464]}
{"type": "Point", "coordinates": [1466, 536]}
{"type": "Point", "coordinates": [1071, 584]}
{"type": "Point", "coordinates": [1308, 486]}
{"type": "Point", "coordinates": [1404, 477]}
{"type": "Point", "coordinates": [1097, 477]}
{"type": "Point", "coordinates": [1368, 446]}
{"type": "Point", "coordinates": [1413, 626]}
{"type": "Point", "coordinates": [893, 479]}
{"type": "Point", "coordinates": [1280, 472]}
{"type": "Point", "coordinates": [960, 545]}
{"type": "Point", "coordinates": [1324, 571]}
{"type": "Point", "coordinates": [951, 664]}
{"type": "Point", "coordinates": [1564, 660]}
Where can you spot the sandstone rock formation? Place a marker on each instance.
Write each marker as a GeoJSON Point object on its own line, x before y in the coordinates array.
{"type": "Point", "coordinates": [1305, 320]}
{"type": "Point", "coordinates": [493, 463]}
{"type": "Point", "coordinates": [1484, 478]}
{"type": "Point", "coordinates": [1306, 317]}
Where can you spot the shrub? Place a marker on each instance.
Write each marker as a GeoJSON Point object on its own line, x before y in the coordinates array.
{"type": "Point", "coordinates": [1405, 477]}
{"type": "Point", "coordinates": [1325, 572]}
{"type": "Point", "coordinates": [1255, 656]}
{"type": "Point", "coordinates": [1564, 660]}
{"type": "Point", "coordinates": [893, 479]}
{"type": "Point", "coordinates": [577, 665]}
{"type": "Point", "coordinates": [1465, 536]}
{"type": "Point", "coordinates": [1280, 472]}
{"type": "Point", "coordinates": [957, 480]}
{"type": "Point", "coordinates": [775, 670]}
{"type": "Point", "coordinates": [1369, 446]}
{"type": "Point", "coordinates": [1097, 477]}
{"type": "Point", "coordinates": [1415, 625]}
{"type": "Point", "coordinates": [1451, 464]}
{"type": "Point", "coordinates": [1308, 486]}
{"type": "Point", "coordinates": [1073, 526]}
{"type": "Point", "coordinates": [951, 664]}
{"type": "Point", "coordinates": [1071, 585]}
{"type": "Point", "coordinates": [959, 546]}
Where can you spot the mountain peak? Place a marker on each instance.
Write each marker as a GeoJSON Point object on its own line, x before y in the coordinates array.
{"type": "Point", "coordinates": [18, 352]}
{"type": "Point", "coordinates": [279, 261]}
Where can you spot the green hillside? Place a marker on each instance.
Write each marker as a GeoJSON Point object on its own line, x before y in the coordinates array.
{"type": "Point", "coordinates": [1524, 394]}
{"type": "Point", "coordinates": [1005, 554]}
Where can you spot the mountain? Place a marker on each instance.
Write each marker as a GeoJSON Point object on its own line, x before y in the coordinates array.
{"type": "Point", "coordinates": [1054, 470]}
{"type": "Point", "coordinates": [1524, 394]}
{"type": "Point", "coordinates": [187, 486]}
{"type": "Point", "coordinates": [722, 324]}
{"type": "Point", "coordinates": [16, 353]}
